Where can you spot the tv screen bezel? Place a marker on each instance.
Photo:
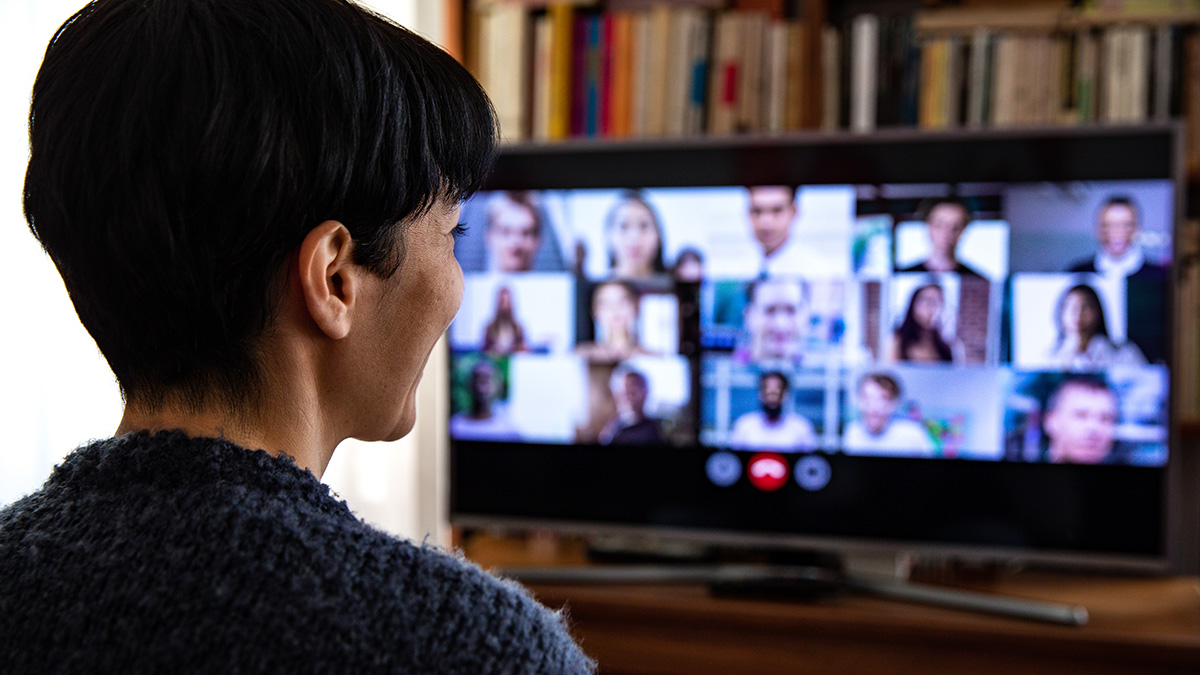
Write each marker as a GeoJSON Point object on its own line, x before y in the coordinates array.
{"type": "Point", "coordinates": [1057, 154]}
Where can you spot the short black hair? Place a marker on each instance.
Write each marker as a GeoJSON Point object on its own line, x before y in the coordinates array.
{"type": "Point", "coordinates": [182, 149]}
{"type": "Point", "coordinates": [792, 189]}
{"type": "Point", "coordinates": [777, 374]}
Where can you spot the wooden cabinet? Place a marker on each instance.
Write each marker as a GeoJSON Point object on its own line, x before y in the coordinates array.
{"type": "Point", "coordinates": [1137, 625]}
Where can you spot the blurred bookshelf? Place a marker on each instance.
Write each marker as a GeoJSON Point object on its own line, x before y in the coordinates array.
{"type": "Point", "coordinates": [678, 68]}
{"type": "Point", "coordinates": [560, 70]}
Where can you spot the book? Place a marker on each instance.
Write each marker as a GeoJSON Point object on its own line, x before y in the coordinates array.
{"type": "Point", "coordinates": [831, 78]}
{"type": "Point", "coordinates": [1004, 80]}
{"type": "Point", "coordinates": [1116, 65]}
{"type": "Point", "coordinates": [864, 38]}
{"type": "Point", "coordinates": [723, 77]}
{"type": "Point", "coordinates": [979, 64]}
{"type": "Point", "coordinates": [1137, 106]}
{"type": "Point", "coordinates": [699, 53]}
{"type": "Point", "coordinates": [955, 82]}
{"type": "Point", "coordinates": [1061, 102]}
{"type": "Point", "coordinates": [910, 79]}
{"type": "Point", "coordinates": [621, 85]}
{"type": "Point", "coordinates": [678, 66]}
{"type": "Point", "coordinates": [579, 74]}
{"type": "Point", "coordinates": [639, 115]}
{"type": "Point", "coordinates": [1163, 73]}
{"type": "Point", "coordinates": [749, 110]}
{"type": "Point", "coordinates": [562, 29]}
{"type": "Point", "coordinates": [798, 77]}
{"type": "Point", "coordinates": [925, 110]}
{"type": "Point", "coordinates": [542, 76]}
{"type": "Point", "coordinates": [1086, 66]}
{"type": "Point", "coordinates": [658, 64]}
{"type": "Point", "coordinates": [593, 75]}
{"type": "Point", "coordinates": [776, 87]}
{"type": "Point", "coordinates": [505, 39]}
{"type": "Point", "coordinates": [895, 36]}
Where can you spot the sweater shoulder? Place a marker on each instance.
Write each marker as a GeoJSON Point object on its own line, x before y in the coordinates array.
{"type": "Point", "coordinates": [201, 558]}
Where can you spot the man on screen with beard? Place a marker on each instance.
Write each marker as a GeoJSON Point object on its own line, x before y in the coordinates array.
{"type": "Point", "coordinates": [772, 427]}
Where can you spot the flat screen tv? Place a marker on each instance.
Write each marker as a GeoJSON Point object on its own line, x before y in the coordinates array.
{"type": "Point", "coordinates": [954, 342]}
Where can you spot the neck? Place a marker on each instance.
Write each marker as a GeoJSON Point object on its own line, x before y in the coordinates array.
{"type": "Point", "coordinates": [620, 337]}
{"type": "Point", "coordinates": [481, 409]}
{"type": "Point", "coordinates": [941, 262]}
{"type": "Point", "coordinates": [632, 271]}
{"type": "Point", "coordinates": [290, 422]}
{"type": "Point", "coordinates": [1083, 341]}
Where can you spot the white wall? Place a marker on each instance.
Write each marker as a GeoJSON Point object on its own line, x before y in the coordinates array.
{"type": "Point", "coordinates": [56, 391]}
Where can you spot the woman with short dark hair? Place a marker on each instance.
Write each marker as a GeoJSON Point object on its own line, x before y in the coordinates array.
{"type": "Point", "coordinates": [253, 205]}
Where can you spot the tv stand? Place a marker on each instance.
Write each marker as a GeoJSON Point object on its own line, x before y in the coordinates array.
{"type": "Point", "coordinates": [788, 581]}
{"type": "Point", "coordinates": [656, 625]}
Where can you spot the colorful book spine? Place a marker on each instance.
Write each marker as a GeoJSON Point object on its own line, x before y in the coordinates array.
{"type": "Point", "coordinates": [620, 90]}
{"type": "Point", "coordinates": [562, 29]}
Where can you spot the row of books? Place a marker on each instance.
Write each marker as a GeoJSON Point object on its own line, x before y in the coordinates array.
{"type": "Point", "coordinates": [678, 69]}
{"type": "Point", "coordinates": [669, 70]}
{"type": "Point", "coordinates": [1123, 73]}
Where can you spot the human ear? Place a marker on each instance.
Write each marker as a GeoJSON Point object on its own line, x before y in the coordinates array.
{"type": "Point", "coordinates": [328, 277]}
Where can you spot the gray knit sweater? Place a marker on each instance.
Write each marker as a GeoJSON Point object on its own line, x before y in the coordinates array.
{"type": "Point", "coordinates": [168, 554]}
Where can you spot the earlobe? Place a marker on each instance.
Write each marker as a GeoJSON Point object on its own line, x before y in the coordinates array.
{"type": "Point", "coordinates": [327, 277]}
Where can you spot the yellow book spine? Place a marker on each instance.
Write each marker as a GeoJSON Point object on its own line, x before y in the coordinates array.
{"type": "Point", "coordinates": [562, 18]}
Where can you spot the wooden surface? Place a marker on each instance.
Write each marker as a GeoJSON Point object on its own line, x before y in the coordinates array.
{"type": "Point", "coordinates": [1138, 625]}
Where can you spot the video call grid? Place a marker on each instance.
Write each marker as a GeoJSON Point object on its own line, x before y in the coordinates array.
{"type": "Point", "coordinates": [1019, 322]}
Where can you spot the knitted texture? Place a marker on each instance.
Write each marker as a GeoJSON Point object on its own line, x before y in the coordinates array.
{"type": "Point", "coordinates": [168, 554]}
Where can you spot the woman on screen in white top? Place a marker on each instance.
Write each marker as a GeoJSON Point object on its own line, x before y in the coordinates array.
{"type": "Point", "coordinates": [1083, 342]}
{"type": "Point", "coordinates": [634, 236]}
{"type": "Point", "coordinates": [615, 310]}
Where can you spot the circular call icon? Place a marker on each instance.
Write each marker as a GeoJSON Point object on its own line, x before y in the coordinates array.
{"type": "Point", "coordinates": [723, 468]}
{"type": "Point", "coordinates": [768, 471]}
{"type": "Point", "coordinates": [813, 472]}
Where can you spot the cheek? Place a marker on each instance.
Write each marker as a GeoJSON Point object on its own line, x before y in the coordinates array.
{"type": "Point", "coordinates": [452, 292]}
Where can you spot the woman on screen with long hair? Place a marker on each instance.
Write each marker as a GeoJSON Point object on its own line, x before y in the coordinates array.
{"type": "Point", "coordinates": [634, 236]}
{"type": "Point", "coordinates": [919, 336]}
{"type": "Point", "coordinates": [1083, 340]}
